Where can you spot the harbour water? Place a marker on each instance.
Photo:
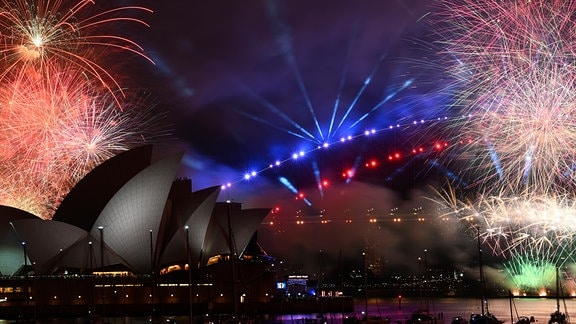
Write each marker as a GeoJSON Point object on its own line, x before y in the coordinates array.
{"type": "Point", "coordinates": [397, 311]}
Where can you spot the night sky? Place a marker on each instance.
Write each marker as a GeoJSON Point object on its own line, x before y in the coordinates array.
{"type": "Point", "coordinates": [246, 83]}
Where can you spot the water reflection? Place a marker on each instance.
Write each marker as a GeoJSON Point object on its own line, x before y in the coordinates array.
{"type": "Point", "coordinates": [397, 313]}
{"type": "Point", "coordinates": [508, 310]}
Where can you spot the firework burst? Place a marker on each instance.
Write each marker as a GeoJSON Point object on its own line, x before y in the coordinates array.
{"type": "Point", "coordinates": [54, 132]}
{"type": "Point", "coordinates": [37, 34]}
{"type": "Point", "coordinates": [531, 275]}
{"type": "Point", "coordinates": [513, 67]}
{"type": "Point", "coordinates": [62, 110]}
{"type": "Point", "coordinates": [534, 234]}
{"type": "Point", "coordinates": [526, 225]}
{"type": "Point", "coordinates": [513, 62]}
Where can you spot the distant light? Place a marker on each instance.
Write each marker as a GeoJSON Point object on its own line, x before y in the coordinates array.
{"type": "Point", "coordinates": [247, 176]}
{"type": "Point", "coordinates": [277, 163]}
{"type": "Point", "coordinates": [394, 156]}
{"type": "Point", "coordinates": [294, 156]}
{"type": "Point", "coordinates": [226, 185]}
{"type": "Point", "coordinates": [372, 163]}
{"type": "Point", "coordinates": [37, 41]}
{"type": "Point", "coordinates": [348, 173]}
{"type": "Point", "coordinates": [325, 145]}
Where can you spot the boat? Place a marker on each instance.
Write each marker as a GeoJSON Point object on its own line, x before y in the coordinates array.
{"type": "Point", "coordinates": [423, 315]}
{"type": "Point", "coordinates": [459, 320]}
{"type": "Point", "coordinates": [557, 317]}
{"type": "Point", "coordinates": [521, 319]}
{"type": "Point", "coordinates": [525, 320]}
{"type": "Point", "coordinates": [484, 317]}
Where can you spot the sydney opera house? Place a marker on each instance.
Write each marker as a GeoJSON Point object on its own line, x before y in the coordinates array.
{"type": "Point", "coordinates": [132, 239]}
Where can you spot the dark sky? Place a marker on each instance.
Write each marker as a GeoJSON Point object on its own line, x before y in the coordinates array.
{"type": "Point", "coordinates": [246, 83]}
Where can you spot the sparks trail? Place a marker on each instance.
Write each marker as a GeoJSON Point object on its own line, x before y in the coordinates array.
{"type": "Point", "coordinates": [519, 84]}
{"type": "Point", "coordinates": [512, 63]}
{"type": "Point", "coordinates": [61, 130]}
{"type": "Point", "coordinates": [62, 112]}
{"type": "Point", "coordinates": [38, 34]}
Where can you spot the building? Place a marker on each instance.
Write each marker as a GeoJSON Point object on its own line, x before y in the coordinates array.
{"type": "Point", "coordinates": [130, 226]}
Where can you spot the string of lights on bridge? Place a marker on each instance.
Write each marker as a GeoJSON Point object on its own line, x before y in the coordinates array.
{"type": "Point", "coordinates": [394, 217]}
{"type": "Point", "coordinates": [350, 172]}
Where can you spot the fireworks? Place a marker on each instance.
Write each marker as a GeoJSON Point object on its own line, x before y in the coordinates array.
{"type": "Point", "coordinates": [515, 68]}
{"type": "Point", "coordinates": [60, 115]}
{"type": "Point", "coordinates": [513, 63]}
{"type": "Point", "coordinates": [531, 274]}
{"type": "Point", "coordinates": [543, 226]}
{"type": "Point", "coordinates": [38, 34]}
